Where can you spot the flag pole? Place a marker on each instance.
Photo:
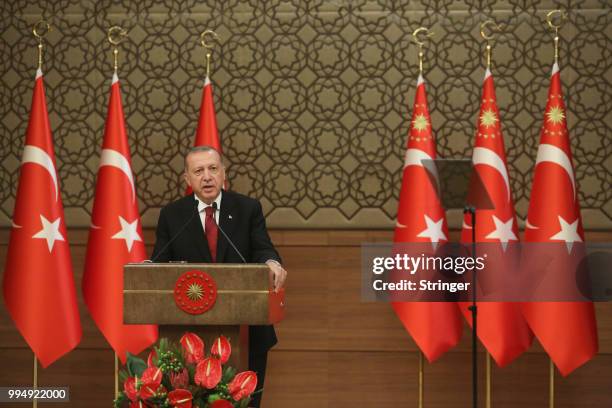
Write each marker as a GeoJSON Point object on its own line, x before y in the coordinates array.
{"type": "Point", "coordinates": [34, 401]}
{"type": "Point", "coordinates": [208, 46]}
{"type": "Point", "coordinates": [551, 384]}
{"type": "Point", "coordinates": [116, 35]}
{"type": "Point", "coordinates": [549, 20]}
{"type": "Point", "coordinates": [421, 379]}
{"type": "Point", "coordinates": [116, 376]}
{"type": "Point", "coordinates": [488, 383]}
{"type": "Point", "coordinates": [40, 30]}
{"type": "Point", "coordinates": [471, 209]}
{"type": "Point", "coordinates": [421, 43]}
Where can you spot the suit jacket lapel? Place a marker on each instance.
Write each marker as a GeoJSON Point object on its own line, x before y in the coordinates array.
{"type": "Point", "coordinates": [226, 222]}
{"type": "Point", "coordinates": [196, 231]}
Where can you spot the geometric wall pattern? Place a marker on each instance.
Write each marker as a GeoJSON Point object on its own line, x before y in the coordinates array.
{"type": "Point", "coordinates": [313, 98]}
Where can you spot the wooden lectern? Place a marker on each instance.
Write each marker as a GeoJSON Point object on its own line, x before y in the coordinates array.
{"type": "Point", "coordinates": [244, 297]}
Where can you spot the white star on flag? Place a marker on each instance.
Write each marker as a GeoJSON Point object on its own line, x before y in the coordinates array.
{"type": "Point", "coordinates": [503, 232]}
{"type": "Point", "coordinates": [128, 232]}
{"type": "Point", "coordinates": [568, 233]}
{"type": "Point", "coordinates": [433, 231]}
{"type": "Point", "coordinates": [50, 231]}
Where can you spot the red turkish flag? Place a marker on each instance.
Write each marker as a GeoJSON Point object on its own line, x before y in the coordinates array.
{"type": "Point", "coordinates": [568, 330]}
{"type": "Point", "coordinates": [38, 281]}
{"type": "Point", "coordinates": [207, 133]}
{"type": "Point", "coordinates": [501, 326]}
{"type": "Point", "coordinates": [435, 326]}
{"type": "Point", "coordinates": [115, 238]}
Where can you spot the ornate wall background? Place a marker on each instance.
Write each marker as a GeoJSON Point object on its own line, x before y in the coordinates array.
{"type": "Point", "coordinates": [313, 97]}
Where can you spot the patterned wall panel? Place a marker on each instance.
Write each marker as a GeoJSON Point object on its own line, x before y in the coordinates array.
{"type": "Point", "coordinates": [313, 97]}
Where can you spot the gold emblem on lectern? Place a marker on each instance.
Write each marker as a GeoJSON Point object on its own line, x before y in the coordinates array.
{"type": "Point", "coordinates": [195, 292]}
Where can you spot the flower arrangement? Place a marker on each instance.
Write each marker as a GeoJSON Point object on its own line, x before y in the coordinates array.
{"type": "Point", "coordinates": [182, 376]}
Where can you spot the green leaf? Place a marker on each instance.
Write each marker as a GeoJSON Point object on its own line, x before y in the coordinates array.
{"type": "Point", "coordinates": [199, 402]}
{"type": "Point", "coordinates": [123, 375]}
{"type": "Point", "coordinates": [213, 397]}
{"type": "Point", "coordinates": [135, 365]}
{"type": "Point", "coordinates": [228, 374]}
{"type": "Point", "coordinates": [120, 400]}
{"type": "Point", "coordinates": [163, 344]}
{"type": "Point", "coordinates": [192, 370]}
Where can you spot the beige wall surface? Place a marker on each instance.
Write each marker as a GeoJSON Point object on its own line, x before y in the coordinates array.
{"type": "Point", "coordinates": [313, 98]}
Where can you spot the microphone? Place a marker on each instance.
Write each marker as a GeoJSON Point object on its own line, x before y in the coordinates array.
{"type": "Point", "coordinates": [194, 211]}
{"type": "Point", "coordinates": [215, 209]}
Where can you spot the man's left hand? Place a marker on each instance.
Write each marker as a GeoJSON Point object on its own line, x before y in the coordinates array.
{"type": "Point", "coordinates": [279, 274]}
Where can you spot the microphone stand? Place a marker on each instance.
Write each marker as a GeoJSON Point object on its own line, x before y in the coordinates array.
{"type": "Point", "coordinates": [215, 209]}
{"type": "Point", "coordinates": [194, 211]}
{"type": "Point", "coordinates": [474, 309]}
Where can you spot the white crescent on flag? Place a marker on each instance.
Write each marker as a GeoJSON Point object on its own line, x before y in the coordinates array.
{"type": "Point", "coordinates": [465, 226]}
{"type": "Point", "coordinates": [36, 155]}
{"type": "Point", "coordinates": [488, 157]}
{"type": "Point", "coordinates": [552, 154]}
{"type": "Point", "coordinates": [115, 159]}
{"type": "Point", "coordinates": [417, 157]}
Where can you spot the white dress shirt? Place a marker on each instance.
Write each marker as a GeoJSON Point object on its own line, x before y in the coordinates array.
{"type": "Point", "coordinates": [202, 212]}
{"type": "Point", "coordinates": [202, 207]}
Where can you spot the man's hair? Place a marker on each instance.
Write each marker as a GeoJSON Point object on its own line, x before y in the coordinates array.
{"type": "Point", "coordinates": [203, 148]}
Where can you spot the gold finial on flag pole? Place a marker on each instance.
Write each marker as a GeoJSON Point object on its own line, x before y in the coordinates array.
{"type": "Point", "coordinates": [490, 24]}
{"type": "Point", "coordinates": [208, 45]}
{"type": "Point", "coordinates": [421, 43]}
{"type": "Point", "coordinates": [549, 20]}
{"type": "Point", "coordinates": [40, 30]}
{"type": "Point", "coordinates": [115, 36]}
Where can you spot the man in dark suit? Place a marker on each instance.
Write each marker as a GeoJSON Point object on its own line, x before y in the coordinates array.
{"type": "Point", "coordinates": [188, 230]}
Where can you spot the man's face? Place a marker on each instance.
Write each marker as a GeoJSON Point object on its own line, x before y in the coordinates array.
{"type": "Point", "coordinates": [205, 175]}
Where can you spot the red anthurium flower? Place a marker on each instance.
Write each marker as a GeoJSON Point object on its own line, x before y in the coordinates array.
{"type": "Point", "coordinates": [151, 380]}
{"type": "Point", "coordinates": [180, 379]}
{"type": "Point", "coordinates": [193, 346]}
{"type": "Point", "coordinates": [242, 385]}
{"type": "Point", "coordinates": [221, 404]}
{"type": "Point", "coordinates": [147, 390]}
{"type": "Point", "coordinates": [138, 404]}
{"type": "Point", "coordinates": [129, 386]}
{"type": "Point", "coordinates": [152, 375]}
{"type": "Point", "coordinates": [152, 355]}
{"type": "Point", "coordinates": [180, 398]}
{"type": "Point", "coordinates": [208, 373]}
{"type": "Point", "coordinates": [222, 349]}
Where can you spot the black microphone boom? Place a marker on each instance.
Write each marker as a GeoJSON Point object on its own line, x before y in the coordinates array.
{"type": "Point", "coordinates": [214, 206]}
{"type": "Point", "coordinates": [193, 212]}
